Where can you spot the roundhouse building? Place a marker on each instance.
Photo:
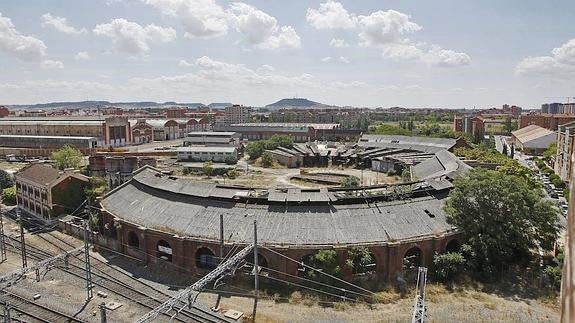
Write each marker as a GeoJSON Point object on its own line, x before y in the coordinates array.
{"type": "Point", "coordinates": [161, 218]}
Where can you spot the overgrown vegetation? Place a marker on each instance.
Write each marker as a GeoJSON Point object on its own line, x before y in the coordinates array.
{"type": "Point", "coordinates": [550, 152]}
{"type": "Point", "coordinates": [97, 187]}
{"type": "Point", "coordinates": [67, 157]}
{"type": "Point", "coordinates": [208, 168]}
{"type": "Point", "coordinates": [503, 219]}
{"type": "Point", "coordinates": [9, 195]}
{"type": "Point", "coordinates": [502, 163]}
{"type": "Point", "coordinates": [349, 181]}
{"type": "Point", "coordinates": [267, 159]}
{"type": "Point", "coordinates": [5, 179]}
{"type": "Point", "coordinates": [257, 148]}
{"type": "Point", "coordinates": [426, 129]}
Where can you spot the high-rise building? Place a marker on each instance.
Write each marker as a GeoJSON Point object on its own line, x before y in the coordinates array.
{"type": "Point", "coordinates": [236, 114]}
{"type": "Point", "coordinates": [565, 143]}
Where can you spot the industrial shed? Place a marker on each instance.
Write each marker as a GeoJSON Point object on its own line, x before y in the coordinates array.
{"type": "Point", "coordinates": [533, 139]}
{"type": "Point", "coordinates": [161, 218]}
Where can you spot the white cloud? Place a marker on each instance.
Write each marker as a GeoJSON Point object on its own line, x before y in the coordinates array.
{"type": "Point", "coordinates": [326, 59]}
{"type": "Point", "coordinates": [185, 63]}
{"type": "Point", "coordinates": [260, 29]}
{"type": "Point", "coordinates": [18, 45]}
{"type": "Point", "coordinates": [200, 18]}
{"type": "Point", "coordinates": [348, 85]}
{"type": "Point", "coordinates": [435, 55]}
{"type": "Point", "coordinates": [385, 27]}
{"type": "Point", "coordinates": [330, 15]}
{"type": "Point", "coordinates": [60, 24]}
{"type": "Point", "coordinates": [338, 43]}
{"type": "Point", "coordinates": [438, 56]}
{"type": "Point", "coordinates": [343, 59]}
{"type": "Point", "coordinates": [560, 63]}
{"type": "Point", "coordinates": [82, 56]}
{"type": "Point", "coordinates": [129, 37]}
{"type": "Point", "coordinates": [51, 65]}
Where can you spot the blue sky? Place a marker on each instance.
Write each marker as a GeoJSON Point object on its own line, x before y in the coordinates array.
{"type": "Point", "coordinates": [455, 54]}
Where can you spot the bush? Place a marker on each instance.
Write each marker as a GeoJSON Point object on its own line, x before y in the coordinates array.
{"type": "Point", "coordinates": [448, 265]}
{"type": "Point", "coordinates": [232, 174]}
{"type": "Point", "coordinates": [553, 273]}
{"type": "Point", "coordinates": [208, 168]}
{"type": "Point", "coordinates": [350, 181]}
{"type": "Point", "coordinates": [267, 159]}
{"type": "Point", "coordinates": [5, 179]}
{"type": "Point", "coordinates": [230, 160]}
{"type": "Point", "coordinates": [9, 195]}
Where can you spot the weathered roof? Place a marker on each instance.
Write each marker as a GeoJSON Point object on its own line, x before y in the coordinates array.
{"type": "Point", "coordinates": [426, 144]}
{"type": "Point", "coordinates": [442, 164]}
{"type": "Point", "coordinates": [533, 132]}
{"type": "Point", "coordinates": [210, 149]}
{"type": "Point", "coordinates": [182, 207]}
{"type": "Point", "coordinates": [211, 134]}
{"type": "Point", "coordinates": [50, 137]}
{"type": "Point", "coordinates": [44, 174]}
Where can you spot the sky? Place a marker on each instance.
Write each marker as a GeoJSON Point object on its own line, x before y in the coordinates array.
{"type": "Point", "coordinates": [370, 53]}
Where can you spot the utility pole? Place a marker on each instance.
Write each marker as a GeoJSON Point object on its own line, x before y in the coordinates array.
{"type": "Point", "coordinates": [7, 317]}
{"type": "Point", "coordinates": [2, 241]}
{"type": "Point", "coordinates": [256, 270]}
{"type": "Point", "coordinates": [22, 241]}
{"type": "Point", "coordinates": [103, 318]}
{"type": "Point", "coordinates": [87, 261]}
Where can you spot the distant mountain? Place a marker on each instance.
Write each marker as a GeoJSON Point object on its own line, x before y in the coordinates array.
{"type": "Point", "coordinates": [295, 103]}
{"type": "Point", "coordinates": [219, 105]}
{"type": "Point", "coordinates": [100, 104]}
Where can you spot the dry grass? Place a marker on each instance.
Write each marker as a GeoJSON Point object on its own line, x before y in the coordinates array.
{"type": "Point", "coordinates": [296, 298]}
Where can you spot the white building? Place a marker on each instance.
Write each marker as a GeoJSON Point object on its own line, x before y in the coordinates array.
{"type": "Point", "coordinates": [212, 139]}
{"type": "Point", "coordinates": [201, 154]}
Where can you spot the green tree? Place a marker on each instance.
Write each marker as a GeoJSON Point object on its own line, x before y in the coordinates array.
{"type": "Point", "coordinates": [508, 125]}
{"type": "Point", "coordinates": [97, 187]}
{"type": "Point", "coordinates": [208, 168]}
{"type": "Point", "coordinates": [5, 179]}
{"type": "Point", "coordinates": [267, 159]}
{"type": "Point", "coordinates": [9, 195]}
{"type": "Point", "coordinates": [386, 129]}
{"type": "Point", "coordinates": [358, 259]}
{"type": "Point", "coordinates": [502, 217]}
{"type": "Point", "coordinates": [550, 152]}
{"type": "Point", "coordinates": [67, 157]}
{"type": "Point", "coordinates": [327, 262]}
{"type": "Point", "coordinates": [448, 265]}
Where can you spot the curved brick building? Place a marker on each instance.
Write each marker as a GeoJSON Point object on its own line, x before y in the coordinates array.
{"type": "Point", "coordinates": [161, 218]}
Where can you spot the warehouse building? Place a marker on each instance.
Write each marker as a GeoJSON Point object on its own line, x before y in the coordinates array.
{"type": "Point", "coordinates": [533, 139]}
{"type": "Point", "coordinates": [212, 138]}
{"type": "Point", "coordinates": [202, 154]}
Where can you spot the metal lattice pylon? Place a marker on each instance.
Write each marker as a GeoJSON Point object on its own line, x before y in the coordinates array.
{"type": "Point", "coordinates": [419, 306]}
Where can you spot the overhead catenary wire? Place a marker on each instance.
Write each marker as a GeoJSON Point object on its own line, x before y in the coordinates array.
{"type": "Point", "coordinates": [319, 271]}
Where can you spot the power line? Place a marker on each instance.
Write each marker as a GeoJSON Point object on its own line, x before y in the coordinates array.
{"type": "Point", "coordinates": [321, 272]}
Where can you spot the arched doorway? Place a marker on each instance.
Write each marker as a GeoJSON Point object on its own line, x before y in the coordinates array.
{"type": "Point", "coordinates": [206, 259]}
{"type": "Point", "coordinates": [413, 258]}
{"type": "Point", "coordinates": [453, 246]}
{"type": "Point", "coordinates": [262, 263]}
{"type": "Point", "coordinates": [133, 240]}
{"type": "Point", "coordinates": [164, 250]}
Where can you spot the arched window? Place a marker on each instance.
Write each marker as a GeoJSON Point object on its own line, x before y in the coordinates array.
{"type": "Point", "coordinates": [133, 240]}
{"type": "Point", "coordinates": [164, 250]}
{"type": "Point", "coordinates": [413, 258]}
{"type": "Point", "coordinates": [206, 259]}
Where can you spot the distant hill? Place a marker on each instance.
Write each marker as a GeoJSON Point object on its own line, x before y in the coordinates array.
{"type": "Point", "coordinates": [100, 104]}
{"type": "Point", "coordinates": [295, 103]}
{"type": "Point", "coordinates": [219, 105]}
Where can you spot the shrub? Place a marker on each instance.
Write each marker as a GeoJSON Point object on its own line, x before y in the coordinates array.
{"type": "Point", "coordinates": [232, 174]}
{"type": "Point", "coordinates": [448, 265]}
{"type": "Point", "coordinates": [267, 159]}
{"type": "Point", "coordinates": [230, 160]}
{"type": "Point", "coordinates": [208, 168]}
{"type": "Point", "coordinates": [9, 195]}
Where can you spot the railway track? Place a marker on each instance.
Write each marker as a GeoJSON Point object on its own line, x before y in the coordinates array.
{"type": "Point", "coordinates": [108, 278]}
{"type": "Point", "coordinates": [25, 310]}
